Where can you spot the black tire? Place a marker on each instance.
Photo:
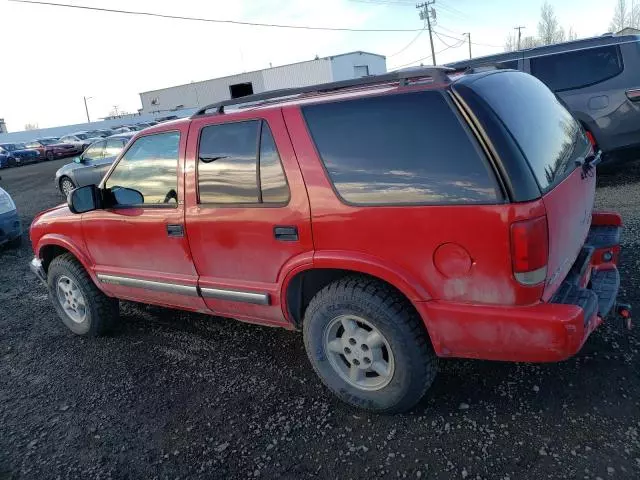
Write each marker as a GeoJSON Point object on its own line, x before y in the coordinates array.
{"type": "Point", "coordinates": [101, 313]}
{"type": "Point", "coordinates": [50, 156]}
{"type": "Point", "coordinates": [61, 185]}
{"type": "Point", "coordinates": [416, 364]}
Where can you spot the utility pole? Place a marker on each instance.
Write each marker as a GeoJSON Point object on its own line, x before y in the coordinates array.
{"type": "Point", "coordinates": [519, 35]}
{"type": "Point", "coordinates": [86, 109]}
{"type": "Point", "coordinates": [425, 15]}
{"type": "Point", "coordinates": [468, 34]}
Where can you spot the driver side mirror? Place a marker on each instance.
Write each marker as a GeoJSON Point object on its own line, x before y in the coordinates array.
{"type": "Point", "coordinates": [84, 199]}
{"type": "Point", "coordinates": [78, 159]}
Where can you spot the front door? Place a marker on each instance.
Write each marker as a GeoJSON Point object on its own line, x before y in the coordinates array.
{"type": "Point", "coordinates": [140, 251]}
{"type": "Point", "coordinates": [248, 217]}
{"type": "Point", "coordinates": [90, 160]}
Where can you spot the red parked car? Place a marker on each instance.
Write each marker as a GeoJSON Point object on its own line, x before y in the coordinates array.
{"type": "Point", "coordinates": [393, 219]}
{"type": "Point", "coordinates": [51, 148]}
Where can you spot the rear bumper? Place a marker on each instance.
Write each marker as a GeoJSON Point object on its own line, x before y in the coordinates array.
{"type": "Point", "coordinates": [544, 332]}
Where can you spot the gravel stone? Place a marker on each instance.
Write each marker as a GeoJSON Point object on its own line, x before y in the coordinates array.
{"type": "Point", "coordinates": [239, 401]}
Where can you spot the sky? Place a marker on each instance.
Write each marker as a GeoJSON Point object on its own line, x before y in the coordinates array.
{"type": "Point", "coordinates": [51, 57]}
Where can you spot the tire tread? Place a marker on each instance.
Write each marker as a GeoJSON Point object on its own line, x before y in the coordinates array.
{"type": "Point", "coordinates": [104, 309]}
{"type": "Point", "coordinates": [352, 288]}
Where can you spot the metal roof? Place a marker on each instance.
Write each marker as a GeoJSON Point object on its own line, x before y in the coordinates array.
{"type": "Point", "coordinates": [602, 41]}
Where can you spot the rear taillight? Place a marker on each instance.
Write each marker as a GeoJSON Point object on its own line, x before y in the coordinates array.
{"type": "Point", "coordinates": [530, 250]}
{"type": "Point", "coordinates": [634, 94]}
{"type": "Point", "coordinates": [591, 139]}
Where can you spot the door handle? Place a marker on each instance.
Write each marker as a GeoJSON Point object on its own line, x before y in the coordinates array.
{"type": "Point", "coordinates": [175, 230]}
{"type": "Point", "coordinates": [285, 233]}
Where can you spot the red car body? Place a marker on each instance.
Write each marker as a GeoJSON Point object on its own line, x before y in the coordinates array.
{"type": "Point", "coordinates": [51, 151]}
{"type": "Point", "coordinates": [456, 264]}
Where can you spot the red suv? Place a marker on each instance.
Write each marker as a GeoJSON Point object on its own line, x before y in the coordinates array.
{"type": "Point", "coordinates": [393, 219]}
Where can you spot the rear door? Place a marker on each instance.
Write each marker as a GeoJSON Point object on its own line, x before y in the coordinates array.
{"type": "Point", "coordinates": [553, 144]}
{"type": "Point", "coordinates": [247, 217]}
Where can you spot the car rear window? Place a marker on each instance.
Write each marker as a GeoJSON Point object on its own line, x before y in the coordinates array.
{"type": "Point", "coordinates": [578, 69]}
{"type": "Point", "coordinates": [407, 148]}
{"type": "Point", "coordinates": [548, 136]}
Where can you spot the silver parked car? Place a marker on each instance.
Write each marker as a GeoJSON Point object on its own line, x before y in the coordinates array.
{"type": "Point", "coordinates": [91, 166]}
{"type": "Point", "coordinates": [597, 79]}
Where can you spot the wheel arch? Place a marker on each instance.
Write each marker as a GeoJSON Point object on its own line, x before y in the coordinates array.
{"type": "Point", "coordinates": [304, 283]}
{"type": "Point", "coordinates": [52, 246]}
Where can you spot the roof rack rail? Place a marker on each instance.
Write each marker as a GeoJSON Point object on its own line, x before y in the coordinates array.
{"type": "Point", "coordinates": [438, 74]}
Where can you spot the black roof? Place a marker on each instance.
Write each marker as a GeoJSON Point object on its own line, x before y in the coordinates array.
{"type": "Point", "coordinates": [583, 43]}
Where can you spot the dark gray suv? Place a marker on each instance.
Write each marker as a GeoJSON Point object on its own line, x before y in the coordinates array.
{"type": "Point", "coordinates": [598, 79]}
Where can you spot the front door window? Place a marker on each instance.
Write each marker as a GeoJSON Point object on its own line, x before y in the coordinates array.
{"type": "Point", "coordinates": [150, 166]}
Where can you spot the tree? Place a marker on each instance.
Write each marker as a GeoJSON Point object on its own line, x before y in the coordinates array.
{"type": "Point", "coordinates": [549, 31]}
{"type": "Point", "coordinates": [529, 42]}
{"type": "Point", "coordinates": [31, 126]}
{"type": "Point", "coordinates": [620, 16]}
{"type": "Point", "coordinates": [572, 35]}
{"type": "Point", "coordinates": [511, 43]}
{"type": "Point", "coordinates": [624, 17]}
{"type": "Point", "coordinates": [634, 20]}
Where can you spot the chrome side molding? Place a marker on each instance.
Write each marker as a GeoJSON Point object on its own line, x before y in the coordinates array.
{"type": "Point", "coordinates": [236, 296]}
{"type": "Point", "coordinates": [149, 285]}
{"type": "Point", "coordinates": [218, 293]}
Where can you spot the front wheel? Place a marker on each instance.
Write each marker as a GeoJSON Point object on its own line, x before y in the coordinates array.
{"type": "Point", "coordinates": [50, 156]}
{"type": "Point", "coordinates": [66, 185]}
{"type": "Point", "coordinates": [368, 345]}
{"type": "Point", "coordinates": [81, 306]}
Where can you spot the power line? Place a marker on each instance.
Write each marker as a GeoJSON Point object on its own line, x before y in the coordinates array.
{"type": "Point", "coordinates": [440, 38]}
{"type": "Point", "coordinates": [429, 56]}
{"type": "Point", "coordinates": [407, 45]}
{"type": "Point", "coordinates": [474, 43]}
{"type": "Point", "coordinates": [453, 10]}
{"type": "Point", "coordinates": [212, 20]}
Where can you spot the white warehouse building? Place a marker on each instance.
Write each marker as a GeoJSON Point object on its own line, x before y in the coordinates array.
{"type": "Point", "coordinates": [320, 70]}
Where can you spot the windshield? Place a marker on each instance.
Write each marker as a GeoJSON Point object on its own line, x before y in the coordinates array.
{"type": "Point", "coordinates": [548, 136]}
{"type": "Point", "coordinates": [12, 147]}
{"type": "Point", "coordinates": [82, 136]}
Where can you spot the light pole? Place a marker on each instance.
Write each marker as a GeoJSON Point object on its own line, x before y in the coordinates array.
{"type": "Point", "coordinates": [86, 109]}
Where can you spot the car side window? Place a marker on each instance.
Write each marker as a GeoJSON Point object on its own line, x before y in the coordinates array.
{"type": "Point", "coordinates": [579, 69]}
{"type": "Point", "coordinates": [409, 148]}
{"type": "Point", "coordinates": [238, 163]}
{"type": "Point", "coordinates": [150, 166]}
{"type": "Point", "coordinates": [114, 147]}
{"type": "Point", "coordinates": [94, 152]}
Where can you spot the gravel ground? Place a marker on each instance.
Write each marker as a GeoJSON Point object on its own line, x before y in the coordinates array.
{"type": "Point", "coordinates": [176, 395]}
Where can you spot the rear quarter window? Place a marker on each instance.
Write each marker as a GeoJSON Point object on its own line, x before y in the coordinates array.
{"type": "Point", "coordinates": [578, 69]}
{"type": "Point", "coordinates": [549, 137]}
{"type": "Point", "coordinates": [407, 148]}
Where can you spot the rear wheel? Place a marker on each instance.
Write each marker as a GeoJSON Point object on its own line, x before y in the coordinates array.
{"type": "Point", "coordinates": [368, 345]}
{"type": "Point", "coordinates": [81, 306]}
{"type": "Point", "coordinates": [66, 185]}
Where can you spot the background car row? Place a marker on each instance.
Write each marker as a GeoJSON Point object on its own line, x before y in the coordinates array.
{"type": "Point", "coordinates": [50, 148]}
{"type": "Point", "coordinates": [91, 166]}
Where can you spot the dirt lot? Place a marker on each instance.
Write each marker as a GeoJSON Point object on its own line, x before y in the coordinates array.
{"type": "Point", "coordinates": [176, 395]}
